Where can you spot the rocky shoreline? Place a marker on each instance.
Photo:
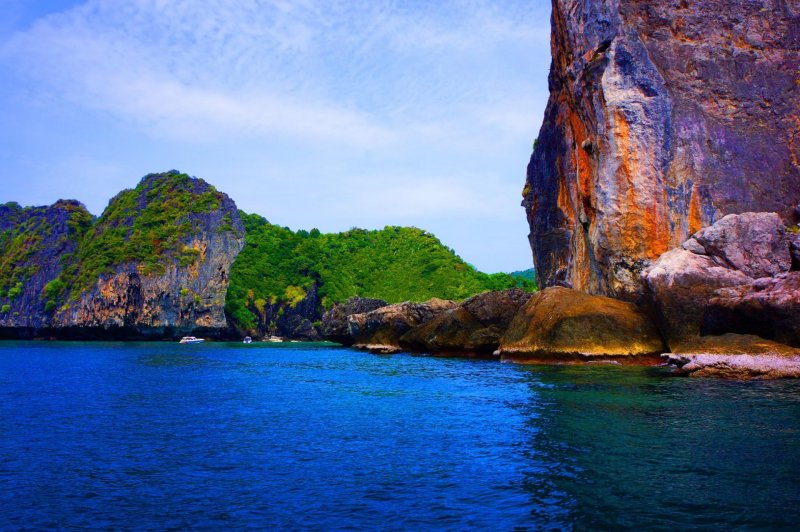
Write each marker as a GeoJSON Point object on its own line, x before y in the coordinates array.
{"type": "Point", "coordinates": [697, 313]}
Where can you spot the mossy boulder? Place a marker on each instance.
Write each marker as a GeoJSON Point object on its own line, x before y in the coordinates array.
{"type": "Point", "coordinates": [564, 325]}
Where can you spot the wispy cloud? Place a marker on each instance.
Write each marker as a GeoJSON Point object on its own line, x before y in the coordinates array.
{"type": "Point", "coordinates": [413, 110]}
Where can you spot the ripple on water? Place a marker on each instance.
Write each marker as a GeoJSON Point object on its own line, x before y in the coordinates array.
{"type": "Point", "coordinates": [293, 436]}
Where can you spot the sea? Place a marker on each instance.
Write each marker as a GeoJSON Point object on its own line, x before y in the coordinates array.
{"type": "Point", "coordinates": [298, 436]}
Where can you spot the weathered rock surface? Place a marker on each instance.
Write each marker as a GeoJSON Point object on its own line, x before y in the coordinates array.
{"type": "Point", "coordinates": [794, 248]}
{"type": "Point", "coordinates": [735, 356]}
{"type": "Point", "coordinates": [33, 244]}
{"type": "Point", "coordinates": [334, 321]}
{"type": "Point", "coordinates": [730, 277]}
{"type": "Point", "coordinates": [473, 328]}
{"type": "Point", "coordinates": [380, 330]}
{"type": "Point", "coordinates": [663, 117]}
{"type": "Point", "coordinates": [682, 283]}
{"type": "Point", "coordinates": [561, 324]}
{"type": "Point", "coordinates": [755, 243]}
{"type": "Point", "coordinates": [182, 293]}
{"type": "Point", "coordinates": [768, 307]}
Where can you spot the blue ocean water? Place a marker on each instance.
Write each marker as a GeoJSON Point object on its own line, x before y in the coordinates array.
{"type": "Point", "coordinates": [159, 435]}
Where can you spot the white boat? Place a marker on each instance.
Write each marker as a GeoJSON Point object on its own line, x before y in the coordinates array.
{"type": "Point", "coordinates": [247, 340]}
{"type": "Point", "coordinates": [191, 340]}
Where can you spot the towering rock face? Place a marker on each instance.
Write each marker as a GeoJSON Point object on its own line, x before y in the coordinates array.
{"type": "Point", "coordinates": [156, 263]}
{"type": "Point", "coordinates": [34, 242]}
{"type": "Point", "coordinates": [663, 117]}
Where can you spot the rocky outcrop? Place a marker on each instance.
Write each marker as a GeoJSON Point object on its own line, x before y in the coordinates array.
{"type": "Point", "coordinates": [334, 321]}
{"type": "Point", "coordinates": [564, 325]}
{"type": "Point", "coordinates": [33, 244]}
{"type": "Point", "coordinates": [736, 356]}
{"type": "Point", "coordinates": [730, 277]}
{"type": "Point", "coordinates": [380, 330]}
{"type": "Point", "coordinates": [186, 236]}
{"type": "Point", "coordinates": [663, 117]}
{"type": "Point", "coordinates": [472, 328]}
{"type": "Point", "coordinates": [768, 307]}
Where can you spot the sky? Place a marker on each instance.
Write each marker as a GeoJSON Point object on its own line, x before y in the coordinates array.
{"type": "Point", "coordinates": [312, 114]}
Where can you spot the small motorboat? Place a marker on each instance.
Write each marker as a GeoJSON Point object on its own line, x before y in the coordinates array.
{"type": "Point", "coordinates": [247, 340]}
{"type": "Point", "coordinates": [191, 340]}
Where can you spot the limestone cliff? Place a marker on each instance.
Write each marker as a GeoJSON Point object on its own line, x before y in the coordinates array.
{"type": "Point", "coordinates": [34, 243]}
{"type": "Point", "coordinates": [663, 117]}
{"type": "Point", "coordinates": [156, 263]}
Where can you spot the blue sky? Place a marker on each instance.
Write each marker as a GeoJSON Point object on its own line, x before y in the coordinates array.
{"type": "Point", "coordinates": [313, 114]}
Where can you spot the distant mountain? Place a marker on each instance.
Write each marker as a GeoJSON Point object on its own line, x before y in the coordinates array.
{"type": "Point", "coordinates": [528, 274]}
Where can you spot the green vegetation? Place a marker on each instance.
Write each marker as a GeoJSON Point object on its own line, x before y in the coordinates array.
{"type": "Point", "coordinates": [33, 236]}
{"type": "Point", "coordinates": [144, 225]}
{"type": "Point", "coordinates": [395, 264]}
{"type": "Point", "coordinates": [528, 274]}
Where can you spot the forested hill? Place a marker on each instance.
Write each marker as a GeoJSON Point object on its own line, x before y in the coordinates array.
{"type": "Point", "coordinates": [279, 269]}
{"type": "Point", "coordinates": [174, 256]}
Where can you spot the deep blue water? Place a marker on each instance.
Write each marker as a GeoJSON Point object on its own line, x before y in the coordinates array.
{"type": "Point", "coordinates": [158, 435]}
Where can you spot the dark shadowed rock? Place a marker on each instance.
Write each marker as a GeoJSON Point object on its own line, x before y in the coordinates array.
{"type": "Point", "coordinates": [794, 249]}
{"type": "Point", "coordinates": [497, 308]}
{"type": "Point", "coordinates": [663, 117]}
{"type": "Point", "coordinates": [735, 356]}
{"type": "Point", "coordinates": [768, 307]}
{"type": "Point", "coordinates": [561, 324]}
{"type": "Point", "coordinates": [475, 327]}
{"type": "Point", "coordinates": [334, 321]}
{"type": "Point", "coordinates": [453, 331]}
{"type": "Point", "coordinates": [380, 330]}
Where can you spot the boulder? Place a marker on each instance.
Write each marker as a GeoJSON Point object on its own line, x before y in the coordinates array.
{"type": "Point", "coordinates": [334, 321]}
{"type": "Point", "coordinates": [735, 356]}
{"type": "Point", "coordinates": [755, 243]}
{"type": "Point", "coordinates": [381, 329]}
{"type": "Point", "coordinates": [730, 277]}
{"type": "Point", "coordinates": [497, 308]}
{"type": "Point", "coordinates": [768, 307]}
{"type": "Point", "coordinates": [474, 328]}
{"type": "Point", "coordinates": [681, 283]}
{"type": "Point", "coordinates": [561, 324]}
{"type": "Point", "coordinates": [454, 331]}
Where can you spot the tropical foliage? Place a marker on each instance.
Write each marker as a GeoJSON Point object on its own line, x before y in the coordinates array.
{"type": "Point", "coordinates": [395, 264]}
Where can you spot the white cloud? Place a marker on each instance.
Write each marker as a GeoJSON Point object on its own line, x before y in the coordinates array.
{"type": "Point", "coordinates": [404, 112]}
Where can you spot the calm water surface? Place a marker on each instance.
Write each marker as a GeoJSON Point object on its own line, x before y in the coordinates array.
{"type": "Point", "coordinates": [159, 435]}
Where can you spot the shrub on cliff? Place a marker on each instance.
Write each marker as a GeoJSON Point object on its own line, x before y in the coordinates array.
{"type": "Point", "coordinates": [145, 225]}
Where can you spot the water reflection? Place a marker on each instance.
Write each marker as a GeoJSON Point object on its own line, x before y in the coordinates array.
{"type": "Point", "coordinates": [626, 447]}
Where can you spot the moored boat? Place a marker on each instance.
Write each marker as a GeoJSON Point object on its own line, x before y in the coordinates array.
{"type": "Point", "coordinates": [247, 340]}
{"type": "Point", "coordinates": [191, 340]}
